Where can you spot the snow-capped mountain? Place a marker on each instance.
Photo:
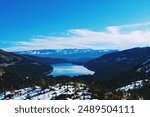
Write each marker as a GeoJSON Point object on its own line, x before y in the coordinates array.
{"type": "Point", "coordinates": [67, 53]}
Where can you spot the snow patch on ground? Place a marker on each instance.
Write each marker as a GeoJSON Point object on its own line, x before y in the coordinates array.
{"type": "Point", "coordinates": [60, 91]}
{"type": "Point", "coordinates": [133, 85]}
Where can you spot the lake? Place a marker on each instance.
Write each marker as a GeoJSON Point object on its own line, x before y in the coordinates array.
{"type": "Point", "coordinates": [68, 69]}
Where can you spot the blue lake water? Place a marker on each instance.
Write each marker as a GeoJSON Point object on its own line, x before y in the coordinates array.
{"type": "Point", "coordinates": [68, 69]}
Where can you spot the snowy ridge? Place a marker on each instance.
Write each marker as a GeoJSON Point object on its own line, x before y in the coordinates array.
{"type": "Point", "coordinates": [67, 53]}
{"type": "Point", "coordinates": [62, 51]}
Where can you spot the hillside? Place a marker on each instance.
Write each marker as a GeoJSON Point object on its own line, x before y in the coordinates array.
{"type": "Point", "coordinates": [111, 65]}
{"type": "Point", "coordinates": [17, 71]}
{"type": "Point", "coordinates": [6, 57]}
{"type": "Point", "coordinates": [46, 60]}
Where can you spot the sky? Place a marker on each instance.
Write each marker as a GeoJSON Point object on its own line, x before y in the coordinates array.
{"type": "Point", "coordinates": [59, 24]}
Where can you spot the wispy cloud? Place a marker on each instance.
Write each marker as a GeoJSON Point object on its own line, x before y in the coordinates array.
{"type": "Point", "coordinates": [117, 28]}
{"type": "Point", "coordinates": [112, 38]}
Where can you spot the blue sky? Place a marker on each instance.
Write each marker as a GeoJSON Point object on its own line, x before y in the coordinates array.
{"type": "Point", "coordinates": [57, 24]}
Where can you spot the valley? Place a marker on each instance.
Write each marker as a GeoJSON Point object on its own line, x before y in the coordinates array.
{"type": "Point", "coordinates": [115, 75]}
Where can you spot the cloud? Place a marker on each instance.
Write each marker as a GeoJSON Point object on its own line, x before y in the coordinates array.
{"type": "Point", "coordinates": [118, 28]}
{"type": "Point", "coordinates": [112, 38]}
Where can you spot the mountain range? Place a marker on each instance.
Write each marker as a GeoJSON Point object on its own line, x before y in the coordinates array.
{"type": "Point", "coordinates": [69, 54]}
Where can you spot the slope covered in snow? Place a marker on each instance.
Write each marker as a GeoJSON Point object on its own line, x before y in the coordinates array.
{"type": "Point", "coordinates": [133, 85]}
{"type": "Point", "coordinates": [60, 91]}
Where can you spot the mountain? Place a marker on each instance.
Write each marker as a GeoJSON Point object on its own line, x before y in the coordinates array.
{"type": "Point", "coordinates": [46, 60]}
{"type": "Point", "coordinates": [119, 64]}
{"type": "Point", "coordinates": [70, 54]}
{"type": "Point", "coordinates": [10, 59]}
{"type": "Point", "coordinates": [18, 71]}
{"type": "Point", "coordinates": [6, 57]}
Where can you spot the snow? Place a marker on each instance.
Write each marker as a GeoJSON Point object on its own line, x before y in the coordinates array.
{"type": "Point", "coordinates": [71, 90]}
{"type": "Point", "coordinates": [146, 62]}
{"type": "Point", "coordinates": [61, 51]}
{"type": "Point", "coordinates": [148, 70]}
{"type": "Point", "coordinates": [139, 69]}
{"type": "Point", "coordinates": [145, 69]}
{"type": "Point", "coordinates": [1, 96]}
{"type": "Point", "coordinates": [133, 85]}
